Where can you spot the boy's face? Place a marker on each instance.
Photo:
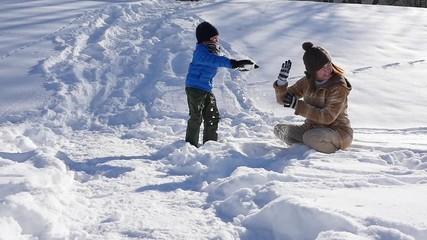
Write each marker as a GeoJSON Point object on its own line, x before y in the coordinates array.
{"type": "Point", "coordinates": [215, 39]}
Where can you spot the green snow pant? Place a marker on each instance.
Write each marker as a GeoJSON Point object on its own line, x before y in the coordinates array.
{"type": "Point", "coordinates": [326, 140]}
{"type": "Point", "coordinates": [202, 108]}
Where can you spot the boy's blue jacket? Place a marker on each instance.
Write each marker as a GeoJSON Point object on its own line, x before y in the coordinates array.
{"type": "Point", "coordinates": [203, 68]}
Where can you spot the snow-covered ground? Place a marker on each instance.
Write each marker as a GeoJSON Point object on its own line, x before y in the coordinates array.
{"type": "Point", "coordinates": [93, 116]}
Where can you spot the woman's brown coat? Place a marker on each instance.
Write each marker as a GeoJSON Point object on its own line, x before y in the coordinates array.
{"type": "Point", "coordinates": [325, 106]}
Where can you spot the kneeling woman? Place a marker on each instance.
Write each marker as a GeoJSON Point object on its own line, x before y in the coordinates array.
{"type": "Point", "coordinates": [321, 97]}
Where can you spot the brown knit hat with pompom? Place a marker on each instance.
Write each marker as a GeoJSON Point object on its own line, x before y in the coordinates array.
{"type": "Point", "coordinates": [314, 57]}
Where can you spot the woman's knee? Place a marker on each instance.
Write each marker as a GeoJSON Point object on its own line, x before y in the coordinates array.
{"type": "Point", "coordinates": [280, 131]}
{"type": "Point", "coordinates": [322, 140]}
{"type": "Point", "coordinates": [290, 134]}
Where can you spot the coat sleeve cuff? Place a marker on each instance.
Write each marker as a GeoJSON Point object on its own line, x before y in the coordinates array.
{"type": "Point", "coordinates": [280, 92]}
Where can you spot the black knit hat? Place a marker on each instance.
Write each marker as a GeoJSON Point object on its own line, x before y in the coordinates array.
{"type": "Point", "coordinates": [205, 31]}
{"type": "Point", "coordinates": [314, 57]}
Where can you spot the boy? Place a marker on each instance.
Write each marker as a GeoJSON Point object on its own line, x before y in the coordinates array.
{"type": "Point", "coordinates": [199, 82]}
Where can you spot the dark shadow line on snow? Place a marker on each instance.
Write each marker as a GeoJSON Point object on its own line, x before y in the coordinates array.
{"type": "Point", "coordinates": [188, 184]}
{"type": "Point", "coordinates": [96, 166]}
{"type": "Point", "coordinates": [18, 157]}
{"type": "Point", "coordinates": [393, 130]}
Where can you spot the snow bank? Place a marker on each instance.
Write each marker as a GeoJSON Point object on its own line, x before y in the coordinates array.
{"type": "Point", "coordinates": [104, 157]}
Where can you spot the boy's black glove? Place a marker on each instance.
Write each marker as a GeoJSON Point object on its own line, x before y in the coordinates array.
{"type": "Point", "coordinates": [241, 63]}
{"type": "Point", "coordinates": [290, 100]}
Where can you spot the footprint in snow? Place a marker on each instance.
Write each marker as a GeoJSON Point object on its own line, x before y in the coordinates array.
{"type": "Point", "coordinates": [391, 65]}
{"type": "Point", "coordinates": [416, 61]}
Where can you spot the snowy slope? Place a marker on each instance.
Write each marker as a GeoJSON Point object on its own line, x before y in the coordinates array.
{"type": "Point", "coordinates": [91, 138]}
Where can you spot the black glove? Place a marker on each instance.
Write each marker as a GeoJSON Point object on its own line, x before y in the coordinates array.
{"type": "Point", "coordinates": [240, 63]}
{"type": "Point", "coordinates": [282, 79]}
{"type": "Point", "coordinates": [290, 100]}
{"type": "Point", "coordinates": [248, 67]}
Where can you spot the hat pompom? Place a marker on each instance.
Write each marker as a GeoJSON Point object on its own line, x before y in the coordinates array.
{"type": "Point", "coordinates": [307, 45]}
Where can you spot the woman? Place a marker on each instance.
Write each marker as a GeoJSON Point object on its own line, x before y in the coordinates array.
{"type": "Point", "coordinates": [320, 97]}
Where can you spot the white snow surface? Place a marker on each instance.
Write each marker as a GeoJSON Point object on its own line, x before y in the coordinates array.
{"type": "Point", "coordinates": [93, 118]}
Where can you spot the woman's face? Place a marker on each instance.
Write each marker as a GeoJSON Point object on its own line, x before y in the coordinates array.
{"type": "Point", "coordinates": [325, 72]}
